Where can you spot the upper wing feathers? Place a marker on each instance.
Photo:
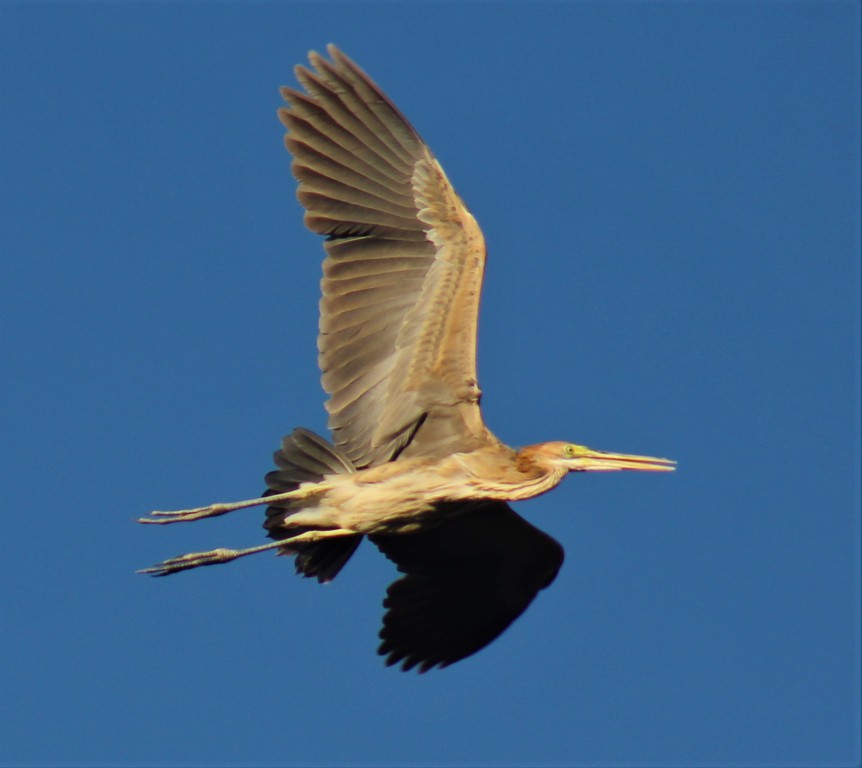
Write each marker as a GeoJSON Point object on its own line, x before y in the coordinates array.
{"type": "Point", "coordinates": [403, 270]}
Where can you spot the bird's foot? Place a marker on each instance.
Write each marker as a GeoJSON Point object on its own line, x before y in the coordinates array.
{"type": "Point", "coordinates": [183, 515]}
{"type": "Point", "coordinates": [191, 560]}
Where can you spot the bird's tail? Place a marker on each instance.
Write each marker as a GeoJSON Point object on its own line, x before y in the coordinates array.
{"type": "Point", "coordinates": [305, 457]}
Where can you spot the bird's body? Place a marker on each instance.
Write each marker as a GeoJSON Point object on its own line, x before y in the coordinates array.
{"type": "Point", "coordinates": [386, 499]}
{"type": "Point", "coordinates": [412, 465]}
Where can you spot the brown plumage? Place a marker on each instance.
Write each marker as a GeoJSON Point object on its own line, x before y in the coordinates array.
{"type": "Point", "coordinates": [412, 464]}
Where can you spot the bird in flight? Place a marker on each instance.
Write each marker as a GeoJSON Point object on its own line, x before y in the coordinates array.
{"type": "Point", "coordinates": [411, 464]}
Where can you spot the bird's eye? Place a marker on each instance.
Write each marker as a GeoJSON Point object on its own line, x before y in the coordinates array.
{"type": "Point", "coordinates": [569, 450]}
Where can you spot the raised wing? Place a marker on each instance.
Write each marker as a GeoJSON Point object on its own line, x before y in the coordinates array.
{"type": "Point", "coordinates": [403, 271]}
{"type": "Point", "coordinates": [465, 581]}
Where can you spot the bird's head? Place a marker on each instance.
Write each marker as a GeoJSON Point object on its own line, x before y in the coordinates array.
{"type": "Point", "coordinates": [579, 458]}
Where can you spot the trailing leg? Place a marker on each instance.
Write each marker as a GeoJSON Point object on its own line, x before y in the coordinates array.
{"type": "Point", "coordinates": [215, 510]}
{"type": "Point", "coordinates": [221, 555]}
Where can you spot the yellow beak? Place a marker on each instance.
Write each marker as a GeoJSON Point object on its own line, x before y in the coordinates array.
{"type": "Point", "coordinates": [599, 461]}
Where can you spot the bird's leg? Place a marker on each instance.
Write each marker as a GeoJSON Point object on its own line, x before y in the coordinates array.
{"type": "Point", "coordinates": [221, 555]}
{"type": "Point", "coordinates": [194, 559]}
{"type": "Point", "coordinates": [214, 510]}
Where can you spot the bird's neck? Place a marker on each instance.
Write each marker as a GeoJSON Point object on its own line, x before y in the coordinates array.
{"type": "Point", "coordinates": [534, 477]}
{"type": "Point", "coordinates": [503, 474]}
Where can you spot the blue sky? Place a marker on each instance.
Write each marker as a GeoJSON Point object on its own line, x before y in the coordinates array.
{"type": "Point", "coordinates": [670, 195]}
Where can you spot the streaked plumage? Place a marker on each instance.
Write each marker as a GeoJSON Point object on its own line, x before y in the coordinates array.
{"type": "Point", "coordinates": [412, 465]}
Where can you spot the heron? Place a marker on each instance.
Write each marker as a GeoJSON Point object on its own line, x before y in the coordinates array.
{"type": "Point", "coordinates": [411, 465]}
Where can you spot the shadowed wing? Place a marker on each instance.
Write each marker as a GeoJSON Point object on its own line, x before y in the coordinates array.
{"type": "Point", "coordinates": [465, 580]}
{"type": "Point", "coordinates": [402, 275]}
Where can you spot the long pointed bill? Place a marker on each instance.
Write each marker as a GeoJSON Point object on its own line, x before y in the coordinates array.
{"type": "Point", "coordinates": [599, 461]}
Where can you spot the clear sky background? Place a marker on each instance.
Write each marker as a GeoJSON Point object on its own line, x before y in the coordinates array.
{"type": "Point", "coordinates": [670, 195]}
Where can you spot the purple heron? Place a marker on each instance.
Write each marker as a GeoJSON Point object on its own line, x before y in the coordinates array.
{"type": "Point", "coordinates": [412, 464]}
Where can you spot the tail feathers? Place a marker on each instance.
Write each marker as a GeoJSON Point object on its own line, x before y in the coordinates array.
{"type": "Point", "coordinates": [322, 559]}
{"type": "Point", "coordinates": [305, 457]}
